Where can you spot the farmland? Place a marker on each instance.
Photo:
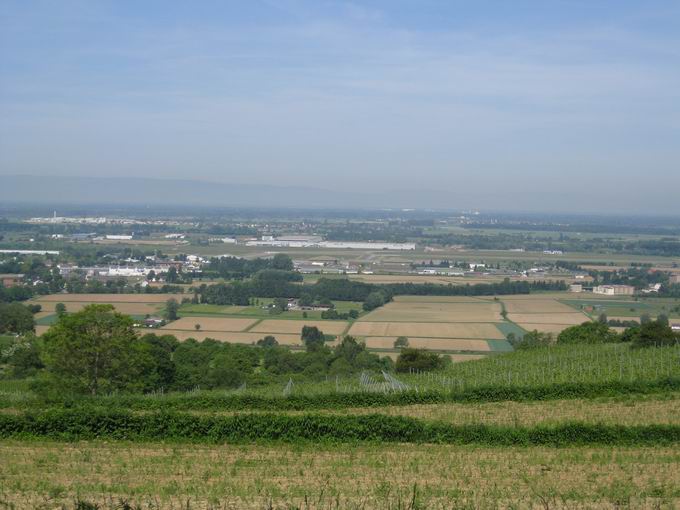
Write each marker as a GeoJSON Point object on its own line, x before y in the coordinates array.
{"type": "Point", "coordinates": [228, 424]}
{"type": "Point", "coordinates": [318, 476]}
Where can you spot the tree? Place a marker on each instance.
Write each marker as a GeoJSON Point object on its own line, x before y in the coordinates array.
{"type": "Point", "coordinates": [312, 337]}
{"type": "Point", "coordinates": [34, 308]}
{"type": "Point", "coordinates": [171, 276]}
{"type": "Point", "coordinates": [197, 327]}
{"type": "Point", "coordinates": [94, 350]}
{"type": "Point", "coordinates": [16, 318]}
{"type": "Point", "coordinates": [418, 359]}
{"type": "Point", "coordinates": [374, 300]}
{"type": "Point", "coordinates": [305, 299]}
{"type": "Point", "coordinates": [267, 341]}
{"type": "Point", "coordinates": [400, 342]}
{"type": "Point", "coordinates": [654, 333]}
{"type": "Point", "coordinates": [663, 319]}
{"type": "Point", "coordinates": [171, 309]}
{"type": "Point", "coordinates": [531, 340]}
{"type": "Point", "coordinates": [588, 333]}
{"type": "Point", "coordinates": [60, 309]}
{"type": "Point", "coordinates": [281, 304]}
{"type": "Point", "coordinates": [282, 261]}
{"type": "Point", "coordinates": [602, 319]}
{"type": "Point", "coordinates": [24, 358]}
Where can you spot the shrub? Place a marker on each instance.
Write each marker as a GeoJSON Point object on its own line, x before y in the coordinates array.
{"type": "Point", "coordinates": [418, 359]}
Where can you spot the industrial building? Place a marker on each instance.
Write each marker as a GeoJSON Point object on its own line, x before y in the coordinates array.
{"type": "Point", "coordinates": [316, 242]}
{"type": "Point", "coordinates": [614, 290]}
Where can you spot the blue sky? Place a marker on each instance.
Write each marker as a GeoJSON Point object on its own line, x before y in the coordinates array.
{"type": "Point", "coordinates": [509, 96]}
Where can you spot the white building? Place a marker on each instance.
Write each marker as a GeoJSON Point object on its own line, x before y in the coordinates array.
{"type": "Point", "coordinates": [117, 237]}
{"type": "Point", "coordinates": [312, 242]}
{"type": "Point", "coordinates": [614, 290]}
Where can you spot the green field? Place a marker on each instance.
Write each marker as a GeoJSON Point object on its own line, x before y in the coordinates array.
{"type": "Point", "coordinates": [627, 307]}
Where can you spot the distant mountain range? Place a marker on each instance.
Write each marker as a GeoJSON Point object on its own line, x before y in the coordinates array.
{"type": "Point", "coordinates": [51, 190]}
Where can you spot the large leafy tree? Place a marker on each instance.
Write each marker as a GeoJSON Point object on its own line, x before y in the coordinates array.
{"type": "Point", "coordinates": [15, 318]}
{"type": "Point", "coordinates": [588, 333]}
{"type": "Point", "coordinates": [96, 350]}
{"type": "Point", "coordinates": [654, 333]}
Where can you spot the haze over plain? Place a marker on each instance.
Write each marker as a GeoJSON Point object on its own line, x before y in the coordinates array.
{"type": "Point", "coordinates": [565, 105]}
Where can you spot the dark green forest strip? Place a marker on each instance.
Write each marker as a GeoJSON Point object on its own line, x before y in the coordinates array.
{"type": "Point", "coordinates": [219, 401]}
{"type": "Point", "coordinates": [85, 424]}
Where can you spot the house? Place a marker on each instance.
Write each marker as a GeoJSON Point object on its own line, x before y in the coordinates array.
{"type": "Point", "coordinates": [10, 280]}
{"type": "Point", "coordinates": [575, 287]}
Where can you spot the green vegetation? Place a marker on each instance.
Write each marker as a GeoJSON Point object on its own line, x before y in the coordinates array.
{"type": "Point", "coordinates": [15, 318]}
{"type": "Point", "coordinates": [79, 424]}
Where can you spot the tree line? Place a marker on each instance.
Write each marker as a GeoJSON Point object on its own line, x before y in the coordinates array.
{"type": "Point", "coordinates": [343, 289]}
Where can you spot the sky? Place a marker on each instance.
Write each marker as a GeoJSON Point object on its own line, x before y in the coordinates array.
{"type": "Point", "coordinates": [576, 100]}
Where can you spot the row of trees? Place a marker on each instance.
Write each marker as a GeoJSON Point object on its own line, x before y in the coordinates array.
{"type": "Point", "coordinates": [237, 268]}
{"type": "Point", "coordinates": [343, 289]}
{"type": "Point", "coordinates": [648, 334]}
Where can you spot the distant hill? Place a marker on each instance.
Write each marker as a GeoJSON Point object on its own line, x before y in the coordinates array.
{"type": "Point", "coordinates": [143, 191]}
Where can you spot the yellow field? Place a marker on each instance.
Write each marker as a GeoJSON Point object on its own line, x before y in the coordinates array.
{"type": "Point", "coordinates": [456, 358]}
{"type": "Point", "coordinates": [424, 329]}
{"type": "Point", "coordinates": [617, 318]}
{"type": "Point", "coordinates": [110, 298]}
{"type": "Point", "coordinates": [211, 323]}
{"type": "Point", "coordinates": [438, 299]}
{"type": "Point", "coordinates": [414, 311]}
{"type": "Point", "coordinates": [571, 319]}
{"type": "Point", "coordinates": [132, 304]}
{"type": "Point", "coordinates": [127, 308]}
{"type": "Point", "coordinates": [544, 328]}
{"type": "Point", "coordinates": [223, 336]}
{"type": "Point", "coordinates": [295, 326]}
{"type": "Point", "coordinates": [443, 344]}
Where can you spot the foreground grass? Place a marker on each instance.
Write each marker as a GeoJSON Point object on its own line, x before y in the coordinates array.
{"type": "Point", "coordinates": [49, 474]}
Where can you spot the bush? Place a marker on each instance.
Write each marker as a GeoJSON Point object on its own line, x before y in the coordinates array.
{"type": "Point", "coordinates": [531, 340]}
{"type": "Point", "coordinates": [419, 359]}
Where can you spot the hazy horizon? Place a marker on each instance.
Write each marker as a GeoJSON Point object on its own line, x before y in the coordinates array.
{"type": "Point", "coordinates": [493, 105]}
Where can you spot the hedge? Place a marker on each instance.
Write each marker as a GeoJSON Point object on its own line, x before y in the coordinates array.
{"type": "Point", "coordinates": [225, 402]}
{"type": "Point", "coordinates": [80, 424]}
